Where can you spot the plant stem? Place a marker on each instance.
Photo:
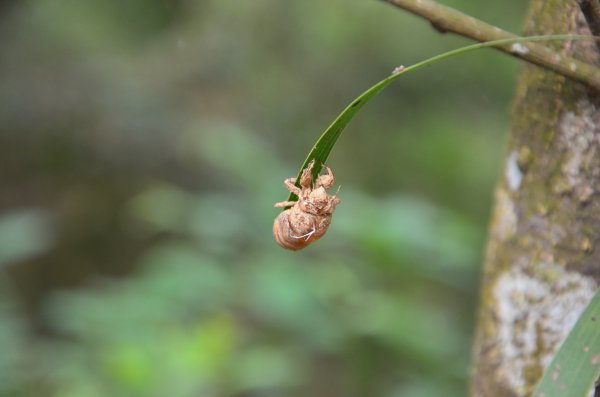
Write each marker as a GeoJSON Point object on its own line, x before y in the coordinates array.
{"type": "Point", "coordinates": [446, 19]}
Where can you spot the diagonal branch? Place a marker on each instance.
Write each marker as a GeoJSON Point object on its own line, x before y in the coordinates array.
{"type": "Point", "coordinates": [446, 19]}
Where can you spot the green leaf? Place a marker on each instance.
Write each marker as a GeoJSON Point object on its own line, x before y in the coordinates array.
{"type": "Point", "coordinates": [326, 142]}
{"type": "Point", "coordinates": [576, 366]}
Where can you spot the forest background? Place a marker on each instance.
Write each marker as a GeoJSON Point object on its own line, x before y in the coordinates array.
{"type": "Point", "coordinates": [142, 146]}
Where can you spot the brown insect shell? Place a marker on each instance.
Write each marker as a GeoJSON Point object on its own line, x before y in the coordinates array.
{"type": "Point", "coordinates": [309, 217]}
{"type": "Point", "coordinates": [297, 227]}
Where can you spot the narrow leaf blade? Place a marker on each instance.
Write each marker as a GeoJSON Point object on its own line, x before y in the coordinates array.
{"type": "Point", "coordinates": [576, 366]}
{"type": "Point", "coordinates": [323, 146]}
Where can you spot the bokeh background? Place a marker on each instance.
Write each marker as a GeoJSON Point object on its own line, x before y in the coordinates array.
{"type": "Point", "coordinates": [142, 146]}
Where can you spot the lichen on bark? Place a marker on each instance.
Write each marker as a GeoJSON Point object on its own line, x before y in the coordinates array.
{"type": "Point", "coordinates": [542, 266]}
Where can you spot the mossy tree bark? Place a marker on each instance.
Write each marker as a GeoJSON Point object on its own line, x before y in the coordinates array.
{"type": "Point", "coordinates": [542, 263]}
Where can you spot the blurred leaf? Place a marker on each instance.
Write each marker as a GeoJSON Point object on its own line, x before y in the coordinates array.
{"type": "Point", "coordinates": [109, 23]}
{"type": "Point", "coordinates": [179, 275]}
{"type": "Point", "coordinates": [233, 148]}
{"type": "Point", "coordinates": [264, 367]}
{"type": "Point", "coordinates": [164, 206]}
{"type": "Point", "coordinates": [208, 349]}
{"type": "Point", "coordinates": [411, 327]}
{"type": "Point", "coordinates": [13, 344]}
{"type": "Point", "coordinates": [406, 226]}
{"type": "Point", "coordinates": [282, 295]}
{"type": "Point", "coordinates": [24, 234]}
{"type": "Point", "coordinates": [219, 218]}
{"type": "Point", "coordinates": [424, 387]}
{"type": "Point", "coordinates": [130, 366]}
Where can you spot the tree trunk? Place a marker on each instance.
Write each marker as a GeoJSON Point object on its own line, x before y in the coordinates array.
{"type": "Point", "coordinates": [542, 263]}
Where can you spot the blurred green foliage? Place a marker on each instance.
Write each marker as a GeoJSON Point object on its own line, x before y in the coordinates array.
{"type": "Point", "coordinates": [143, 145]}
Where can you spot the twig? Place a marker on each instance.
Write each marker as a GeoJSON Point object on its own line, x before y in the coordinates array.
{"type": "Point", "coordinates": [446, 19]}
{"type": "Point", "coordinates": [591, 12]}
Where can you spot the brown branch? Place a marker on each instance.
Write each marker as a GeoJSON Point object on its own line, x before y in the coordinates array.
{"type": "Point", "coordinates": [591, 12]}
{"type": "Point", "coordinates": [446, 19]}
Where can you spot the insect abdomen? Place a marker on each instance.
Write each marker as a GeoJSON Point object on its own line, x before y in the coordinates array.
{"type": "Point", "coordinates": [290, 237]}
